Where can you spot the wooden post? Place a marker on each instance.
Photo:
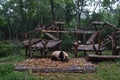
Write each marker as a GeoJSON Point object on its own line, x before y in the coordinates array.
{"type": "Point", "coordinates": [75, 50]}
{"type": "Point", "coordinates": [52, 10]}
{"type": "Point", "coordinates": [26, 36]}
{"type": "Point", "coordinates": [30, 49]}
{"type": "Point", "coordinates": [75, 46]}
{"type": "Point", "coordinates": [99, 39]}
{"type": "Point", "coordinates": [26, 51]}
{"type": "Point", "coordinates": [45, 42]}
{"type": "Point", "coordinates": [114, 50]}
{"type": "Point", "coordinates": [75, 33]}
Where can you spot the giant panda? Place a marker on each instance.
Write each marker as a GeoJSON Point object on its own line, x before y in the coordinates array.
{"type": "Point", "coordinates": [60, 55]}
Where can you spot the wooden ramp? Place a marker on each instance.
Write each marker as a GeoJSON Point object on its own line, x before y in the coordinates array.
{"type": "Point", "coordinates": [51, 36]}
{"type": "Point", "coordinates": [91, 39]}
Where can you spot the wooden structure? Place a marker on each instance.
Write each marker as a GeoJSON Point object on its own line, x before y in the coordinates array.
{"type": "Point", "coordinates": [99, 44]}
{"type": "Point", "coordinates": [38, 44]}
{"type": "Point", "coordinates": [115, 43]}
{"type": "Point", "coordinates": [41, 45]}
{"type": "Point", "coordinates": [89, 44]}
{"type": "Point", "coordinates": [94, 42]}
{"type": "Point", "coordinates": [56, 27]}
{"type": "Point", "coordinates": [114, 39]}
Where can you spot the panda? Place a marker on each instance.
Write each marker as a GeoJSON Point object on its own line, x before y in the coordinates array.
{"type": "Point", "coordinates": [60, 55]}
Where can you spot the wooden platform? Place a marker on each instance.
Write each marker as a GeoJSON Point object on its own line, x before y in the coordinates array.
{"type": "Point", "coordinates": [31, 41]}
{"type": "Point", "coordinates": [76, 65]}
{"type": "Point", "coordinates": [37, 43]}
{"type": "Point", "coordinates": [50, 44]}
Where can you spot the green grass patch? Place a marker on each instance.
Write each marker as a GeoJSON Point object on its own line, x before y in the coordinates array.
{"type": "Point", "coordinates": [7, 72]}
{"type": "Point", "coordinates": [12, 58]}
{"type": "Point", "coordinates": [104, 71]}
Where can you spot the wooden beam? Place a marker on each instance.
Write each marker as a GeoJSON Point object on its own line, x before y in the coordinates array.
{"type": "Point", "coordinates": [51, 36]}
{"type": "Point", "coordinates": [78, 32]}
{"type": "Point", "coordinates": [98, 23]}
{"type": "Point", "coordinates": [59, 23]}
{"type": "Point", "coordinates": [98, 58]}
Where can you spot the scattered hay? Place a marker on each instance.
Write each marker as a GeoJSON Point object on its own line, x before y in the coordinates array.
{"type": "Point", "coordinates": [47, 65]}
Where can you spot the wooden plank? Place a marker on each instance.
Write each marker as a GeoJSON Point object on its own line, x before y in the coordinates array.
{"type": "Point", "coordinates": [51, 36]}
{"type": "Point", "coordinates": [90, 40]}
{"type": "Point", "coordinates": [98, 23]}
{"type": "Point", "coordinates": [96, 58]}
{"type": "Point", "coordinates": [59, 23]}
{"type": "Point", "coordinates": [73, 69]}
{"type": "Point", "coordinates": [78, 31]}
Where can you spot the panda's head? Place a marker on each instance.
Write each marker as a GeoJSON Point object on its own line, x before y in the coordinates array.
{"type": "Point", "coordinates": [63, 56]}
{"type": "Point", "coordinates": [60, 55]}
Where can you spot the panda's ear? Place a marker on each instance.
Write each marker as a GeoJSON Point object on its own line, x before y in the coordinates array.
{"type": "Point", "coordinates": [61, 56]}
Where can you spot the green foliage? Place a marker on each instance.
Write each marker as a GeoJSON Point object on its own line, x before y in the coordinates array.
{"type": "Point", "coordinates": [7, 72]}
{"type": "Point", "coordinates": [2, 20]}
{"type": "Point", "coordinates": [5, 49]}
{"type": "Point", "coordinates": [106, 3]}
{"type": "Point", "coordinates": [12, 58]}
{"type": "Point", "coordinates": [67, 41]}
{"type": "Point", "coordinates": [5, 69]}
{"type": "Point", "coordinates": [117, 62]}
{"type": "Point", "coordinates": [21, 16]}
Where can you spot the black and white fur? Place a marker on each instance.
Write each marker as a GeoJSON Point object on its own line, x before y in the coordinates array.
{"type": "Point", "coordinates": [60, 55]}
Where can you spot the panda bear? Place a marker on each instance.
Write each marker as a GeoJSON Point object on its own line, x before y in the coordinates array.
{"type": "Point", "coordinates": [59, 55]}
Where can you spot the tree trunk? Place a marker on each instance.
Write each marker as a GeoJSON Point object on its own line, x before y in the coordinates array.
{"type": "Point", "coordinates": [9, 30]}
{"type": "Point", "coordinates": [52, 10]}
{"type": "Point", "coordinates": [79, 14]}
{"type": "Point", "coordinates": [21, 29]}
{"type": "Point", "coordinates": [118, 26]}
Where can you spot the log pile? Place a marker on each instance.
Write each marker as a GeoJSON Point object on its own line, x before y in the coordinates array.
{"type": "Point", "coordinates": [47, 65]}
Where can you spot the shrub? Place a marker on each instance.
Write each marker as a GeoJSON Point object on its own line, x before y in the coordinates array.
{"type": "Point", "coordinates": [67, 41]}
{"type": "Point", "coordinates": [5, 49]}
